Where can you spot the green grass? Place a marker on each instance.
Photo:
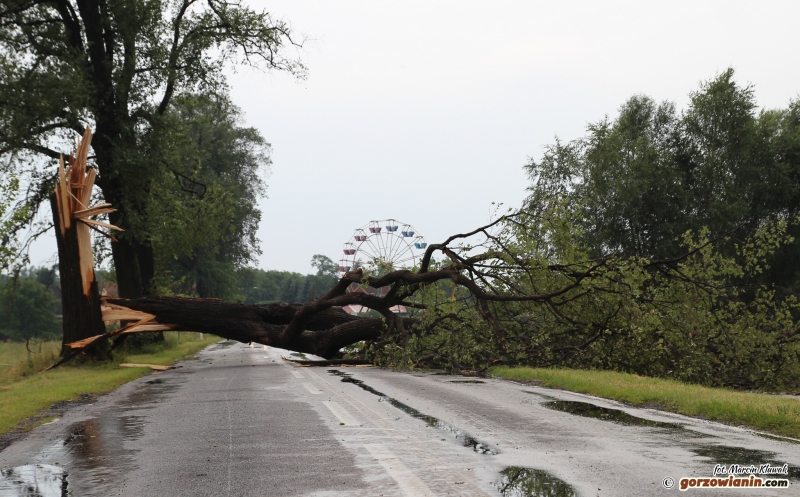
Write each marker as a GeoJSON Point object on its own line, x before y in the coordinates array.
{"type": "Point", "coordinates": [771, 413]}
{"type": "Point", "coordinates": [16, 362]}
{"type": "Point", "coordinates": [21, 397]}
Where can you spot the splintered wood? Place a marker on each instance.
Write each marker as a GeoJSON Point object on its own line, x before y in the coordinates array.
{"type": "Point", "coordinates": [142, 323]}
{"type": "Point", "coordinates": [73, 194]}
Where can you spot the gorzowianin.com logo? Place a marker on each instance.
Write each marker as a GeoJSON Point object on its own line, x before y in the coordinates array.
{"type": "Point", "coordinates": [735, 476]}
{"type": "Point", "coordinates": [731, 481]}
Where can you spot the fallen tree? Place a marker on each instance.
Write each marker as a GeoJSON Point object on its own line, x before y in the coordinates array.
{"type": "Point", "coordinates": [320, 326]}
{"type": "Point", "coordinates": [520, 290]}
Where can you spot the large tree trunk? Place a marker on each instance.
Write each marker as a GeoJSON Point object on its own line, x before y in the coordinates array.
{"type": "Point", "coordinates": [81, 306]}
{"type": "Point", "coordinates": [133, 257]}
{"type": "Point", "coordinates": [322, 334]}
{"type": "Point", "coordinates": [134, 265]}
{"type": "Point", "coordinates": [72, 218]}
{"type": "Point", "coordinates": [82, 317]}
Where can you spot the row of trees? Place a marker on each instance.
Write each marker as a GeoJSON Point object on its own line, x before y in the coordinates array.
{"type": "Point", "coordinates": [257, 286]}
{"type": "Point", "coordinates": [637, 183]}
{"type": "Point", "coordinates": [30, 299]}
{"type": "Point", "coordinates": [662, 243]}
{"type": "Point", "coordinates": [29, 305]}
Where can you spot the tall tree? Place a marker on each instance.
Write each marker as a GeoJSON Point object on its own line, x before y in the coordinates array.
{"type": "Point", "coordinates": [204, 213]}
{"type": "Point", "coordinates": [28, 309]}
{"type": "Point", "coordinates": [324, 265]}
{"type": "Point", "coordinates": [118, 65]}
{"type": "Point", "coordinates": [637, 182]}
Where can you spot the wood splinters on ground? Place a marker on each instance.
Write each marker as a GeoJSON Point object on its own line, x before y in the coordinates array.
{"type": "Point", "coordinates": [156, 367]}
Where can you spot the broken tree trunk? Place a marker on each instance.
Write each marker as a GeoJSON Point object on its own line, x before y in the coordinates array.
{"type": "Point", "coordinates": [69, 202]}
{"type": "Point", "coordinates": [321, 327]}
{"type": "Point", "coordinates": [323, 333]}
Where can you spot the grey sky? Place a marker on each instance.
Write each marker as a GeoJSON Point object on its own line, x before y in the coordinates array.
{"type": "Point", "coordinates": [426, 111]}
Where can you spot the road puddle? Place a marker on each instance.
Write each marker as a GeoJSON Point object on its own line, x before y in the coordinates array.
{"type": "Point", "coordinates": [717, 454]}
{"type": "Point", "coordinates": [527, 482]}
{"type": "Point", "coordinates": [728, 455]}
{"type": "Point", "coordinates": [462, 437]}
{"type": "Point", "coordinates": [96, 450]}
{"type": "Point", "coordinates": [34, 480]}
{"type": "Point", "coordinates": [466, 381]}
{"type": "Point", "coordinates": [614, 415]}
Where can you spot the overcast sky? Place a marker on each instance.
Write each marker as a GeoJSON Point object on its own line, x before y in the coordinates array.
{"type": "Point", "coordinates": [427, 111]}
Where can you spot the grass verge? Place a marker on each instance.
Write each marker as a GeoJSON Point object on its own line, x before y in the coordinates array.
{"type": "Point", "coordinates": [18, 360]}
{"type": "Point", "coordinates": [771, 413]}
{"type": "Point", "coordinates": [22, 397]}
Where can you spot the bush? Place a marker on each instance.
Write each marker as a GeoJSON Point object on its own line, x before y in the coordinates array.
{"type": "Point", "coordinates": [27, 310]}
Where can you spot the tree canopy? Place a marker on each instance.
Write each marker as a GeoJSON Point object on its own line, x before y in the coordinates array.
{"type": "Point", "coordinates": [641, 180]}
{"type": "Point", "coordinates": [257, 286]}
{"type": "Point", "coordinates": [28, 305]}
{"type": "Point", "coordinates": [118, 66]}
{"type": "Point", "coordinates": [203, 213]}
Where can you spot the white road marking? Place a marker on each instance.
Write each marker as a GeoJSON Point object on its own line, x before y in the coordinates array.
{"type": "Point", "coordinates": [311, 388]}
{"type": "Point", "coordinates": [312, 374]}
{"type": "Point", "coordinates": [409, 483]}
{"type": "Point", "coordinates": [343, 416]}
{"type": "Point", "coordinates": [298, 374]}
{"type": "Point", "coordinates": [373, 418]}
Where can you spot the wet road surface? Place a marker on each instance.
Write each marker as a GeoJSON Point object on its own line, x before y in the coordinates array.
{"type": "Point", "coordinates": [240, 421]}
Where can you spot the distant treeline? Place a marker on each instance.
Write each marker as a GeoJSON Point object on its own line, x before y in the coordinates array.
{"type": "Point", "coordinates": [30, 304]}
{"type": "Point", "coordinates": [258, 286]}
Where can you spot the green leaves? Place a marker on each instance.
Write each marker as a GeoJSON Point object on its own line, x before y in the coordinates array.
{"type": "Point", "coordinates": [11, 219]}
{"type": "Point", "coordinates": [687, 318]}
{"type": "Point", "coordinates": [202, 211]}
{"type": "Point", "coordinates": [651, 174]}
{"type": "Point", "coordinates": [28, 309]}
{"type": "Point", "coordinates": [125, 67]}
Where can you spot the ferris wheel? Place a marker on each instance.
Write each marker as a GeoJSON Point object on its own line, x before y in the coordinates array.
{"type": "Point", "coordinates": [383, 246]}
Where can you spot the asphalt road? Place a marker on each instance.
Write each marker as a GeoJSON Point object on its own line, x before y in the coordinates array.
{"type": "Point", "coordinates": [240, 421]}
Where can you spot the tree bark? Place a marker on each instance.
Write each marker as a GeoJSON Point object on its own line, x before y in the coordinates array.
{"type": "Point", "coordinates": [134, 267]}
{"type": "Point", "coordinates": [81, 311]}
{"type": "Point", "coordinates": [321, 327]}
{"type": "Point", "coordinates": [324, 333]}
